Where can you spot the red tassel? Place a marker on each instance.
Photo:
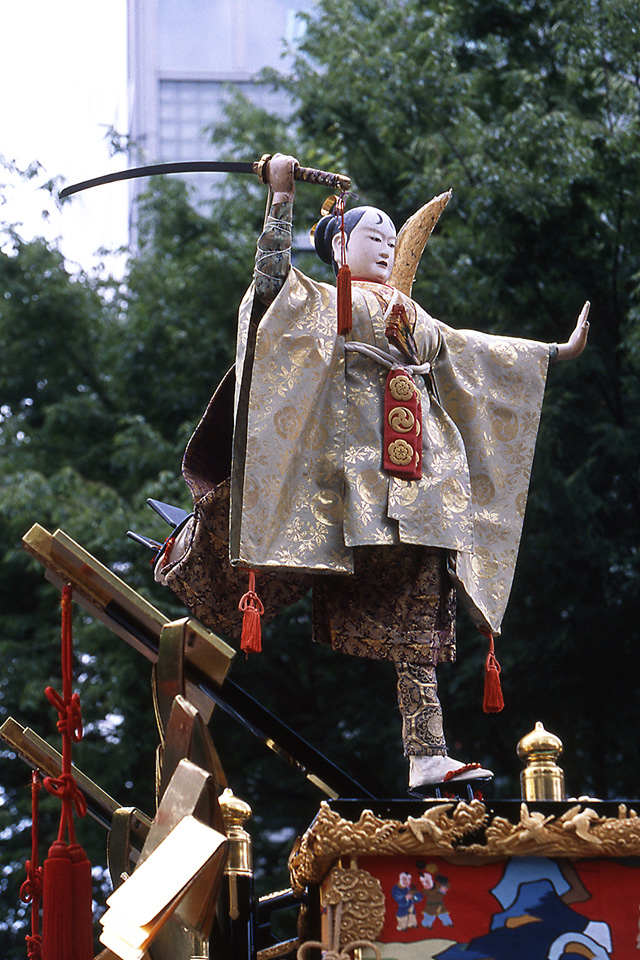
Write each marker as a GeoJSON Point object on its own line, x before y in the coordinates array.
{"type": "Point", "coordinates": [82, 904]}
{"type": "Point", "coordinates": [57, 932]}
{"type": "Point", "coordinates": [252, 609]}
{"type": "Point", "coordinates": [493, 699]}
{"type": "Point", "coordinates": [345, 317]}
{"type": "Point", "coordinates": [67, 920]}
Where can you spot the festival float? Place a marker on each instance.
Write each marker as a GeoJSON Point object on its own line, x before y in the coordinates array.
{"type": "Point", "coordinates": [365, 451]}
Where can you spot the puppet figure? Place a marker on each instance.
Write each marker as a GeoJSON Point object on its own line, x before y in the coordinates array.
{"type": "Point", "coordinates": [386, 465]}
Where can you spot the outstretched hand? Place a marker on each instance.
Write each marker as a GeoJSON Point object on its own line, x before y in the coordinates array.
{"type": "Point", "coordinates": [578, 339]}
{"type": "Point", "coordinates": [280, 177]}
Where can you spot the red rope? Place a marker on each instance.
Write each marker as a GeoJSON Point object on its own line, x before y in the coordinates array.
{"type": "Point", "coordinates": [69, 714]}
{"type": "Point", "coordinates": [452, 774]}
{"type": "Point", "coordinates": [66, 917]}
{"type": "Point", "coordinates": [343, 236]}
{"type": "Point", "coordinates": [31, 889]}
{"type": "Point", "coordinates": [69, 724]}
{"type": "Point", "coordinates": [166, 551]}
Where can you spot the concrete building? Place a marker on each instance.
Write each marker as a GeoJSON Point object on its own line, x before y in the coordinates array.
{"type": "Point", "coordinates": [182, 56]}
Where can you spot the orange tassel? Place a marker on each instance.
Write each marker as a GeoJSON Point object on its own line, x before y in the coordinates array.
{"type": "Point", "coordinates": [493, 699]}
{"type": "Point", "coordinates": [345, 317]}
{"type": "Point", "coordinates": [252, 609]}
{"type": "Point", "coordinates": [57, 931]}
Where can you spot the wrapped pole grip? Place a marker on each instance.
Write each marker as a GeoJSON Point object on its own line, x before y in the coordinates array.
{"type": "Point", "coordinates": [336, 181]}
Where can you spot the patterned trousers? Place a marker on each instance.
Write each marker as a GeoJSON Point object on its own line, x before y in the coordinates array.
{"type": "Point", "coordinates": [422, 731]}
{"type": "Point", "coordinates": [399, 606]}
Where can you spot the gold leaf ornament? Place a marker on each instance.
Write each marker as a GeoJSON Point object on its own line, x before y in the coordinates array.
{"type": "Point", "coordinates": [401, 388]}
{"type": "Point", "coordinates": [401, 453]}
{"type": "Point", "coordinates": [401, 419]}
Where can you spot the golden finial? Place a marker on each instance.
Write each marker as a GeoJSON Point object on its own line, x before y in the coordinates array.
{"type": "Point", "coordinates": [542, 778]}
{"type": "Point", "coordinates": [235, 813]}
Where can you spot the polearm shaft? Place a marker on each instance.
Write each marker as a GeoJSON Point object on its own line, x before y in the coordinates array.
{"type": "Point", "coordinates": [336, 181]}
{"type": "Point", "coordinates": [44, 758]}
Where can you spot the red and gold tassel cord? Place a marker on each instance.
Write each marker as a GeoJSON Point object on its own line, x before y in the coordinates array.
{"type": "Point", "coordinates": [67, 922]}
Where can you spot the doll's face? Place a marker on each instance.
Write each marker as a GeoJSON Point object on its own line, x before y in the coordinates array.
{"type": "Point", "coordinates": [427, 881]}
{"type": "Point", "coordinates": [370, 247]}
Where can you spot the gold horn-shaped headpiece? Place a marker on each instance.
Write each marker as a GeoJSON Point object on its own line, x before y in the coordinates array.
{"type": "Point", "coordinates": [412, 240]}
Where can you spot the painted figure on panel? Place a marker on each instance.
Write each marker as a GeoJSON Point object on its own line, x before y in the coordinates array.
{"type": "Point", "coordinates": [434, 905]}
{"type": "Point", "coordinates": [521, 908]}
{"type": "Point", "coordinates": [537, 920]}
{"type": "Point", "coordinates": [406, 896]}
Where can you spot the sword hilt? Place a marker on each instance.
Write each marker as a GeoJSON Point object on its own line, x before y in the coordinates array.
{"type": "Point", "coordinates": [336, 181]}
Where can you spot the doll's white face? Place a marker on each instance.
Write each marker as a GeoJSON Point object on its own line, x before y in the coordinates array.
{"type": "Point", "coordinates": [370, 247]}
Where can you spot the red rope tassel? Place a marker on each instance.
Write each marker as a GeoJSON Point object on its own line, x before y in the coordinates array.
{"type": "Point", "coordinates": [493, 699]}
{"type": "Point", "coordinates": [81, 890]}
{"type": "Point", "coordinates": [252, 609]}
{"type": "Point", "coordinates": [345, 314]}
{"type": "Point", "coordinates": [343, 282]}
{"type": "Point", "coordinates": [67, 920]}
{"type": "Point", "coordinates": [57, 904]}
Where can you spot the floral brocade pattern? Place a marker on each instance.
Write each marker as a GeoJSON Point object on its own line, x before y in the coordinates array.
{"type": "Point", "coordinates": [206, 582]}
{"type": "Point", "coordinates": [351, 613]}
{"type": "Point", "coordinates": [398, 605]}
{"type": "Point", "coordinates": [311, 486]}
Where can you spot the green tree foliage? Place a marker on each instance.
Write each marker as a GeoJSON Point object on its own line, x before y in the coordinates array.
{"type": "Point", "coordinates": [59, 419]}
{"type": "Point", "coordinates": [529, 111]}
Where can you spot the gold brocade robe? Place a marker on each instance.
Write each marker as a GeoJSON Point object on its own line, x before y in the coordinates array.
{"type": "Point", "coordinates": [307, 483]}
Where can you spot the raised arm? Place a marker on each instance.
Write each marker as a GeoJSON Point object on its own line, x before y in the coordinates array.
{"type": "Point", "coordinates": [578, 339]}
{"type": "Point", "coordinates": [273, 256]}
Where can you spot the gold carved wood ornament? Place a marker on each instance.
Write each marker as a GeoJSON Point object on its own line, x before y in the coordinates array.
{"type": "Point", "coordinates": [451, 830]}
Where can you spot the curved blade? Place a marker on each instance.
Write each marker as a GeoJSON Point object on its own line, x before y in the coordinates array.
{"type": "Point", "coordinates": [156, 169]}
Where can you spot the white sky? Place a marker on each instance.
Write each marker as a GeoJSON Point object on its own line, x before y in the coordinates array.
{"type": "Point", "coordinates": [63, 82]}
